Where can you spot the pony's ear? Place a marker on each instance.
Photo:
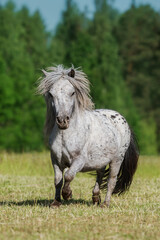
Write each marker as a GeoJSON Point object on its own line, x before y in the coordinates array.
{"type": "Point", "coordinates": [71, 73]}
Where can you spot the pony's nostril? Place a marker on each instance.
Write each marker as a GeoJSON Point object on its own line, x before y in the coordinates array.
{"type": "Point", "coordinates": [62, 122]}
{"type": "Point", "coordinates": [59, 120]}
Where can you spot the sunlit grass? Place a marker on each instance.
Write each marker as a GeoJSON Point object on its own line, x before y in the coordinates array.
{"type": "Point", "coordinates": [27, 188]}
{"type": "Point", "coordinates": [30, 164]}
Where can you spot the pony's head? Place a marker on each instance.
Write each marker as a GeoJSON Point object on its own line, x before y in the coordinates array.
{"type": "Point", "coordinates": [62, 97]}
{"type": "Point", "coordinates": [64, 89]}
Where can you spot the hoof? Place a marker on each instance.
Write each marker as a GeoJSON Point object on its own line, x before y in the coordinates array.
{"type": "Point", "coordinates": [96, 199]}
{"type": "Point", "coordinates": [104, 205]}
{"type": "Point", "coordinates": [67, 195]}
{"type": "Point", "coordinates": [55, 204]}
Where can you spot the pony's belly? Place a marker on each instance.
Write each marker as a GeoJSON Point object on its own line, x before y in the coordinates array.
{"type": "Point", "coordinates": [97, 161]}
{"type": "Point", "coordinates": [101, 152]}
{"type": "Point", "coordinates": [95, 165]}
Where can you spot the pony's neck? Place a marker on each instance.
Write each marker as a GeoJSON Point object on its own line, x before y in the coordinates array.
{"type": "Point", "coordinates": [76, 116]}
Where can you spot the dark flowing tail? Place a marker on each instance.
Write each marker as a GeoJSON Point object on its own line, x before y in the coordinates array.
{"type": "Point", "coordinates": [127, 169]}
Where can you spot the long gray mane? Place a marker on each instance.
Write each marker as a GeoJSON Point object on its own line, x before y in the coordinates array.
{"type": "Point", "coordinates": [80, 82]}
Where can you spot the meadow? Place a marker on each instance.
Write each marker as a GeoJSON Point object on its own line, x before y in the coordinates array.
{"type": "Point", "coordinates": [27, 189]}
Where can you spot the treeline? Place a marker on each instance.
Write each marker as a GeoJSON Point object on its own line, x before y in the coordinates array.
{"type": "Point", "coordinates": [119, 53]}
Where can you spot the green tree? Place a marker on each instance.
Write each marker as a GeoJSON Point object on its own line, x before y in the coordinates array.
{"type": "Point", "coordinates": [106, 72]}
{"type": "Point", "coordinates": [6, 106]}
{"type": "Point", "coordinates": [34, 36]}
{"type": "Point", "coordinates": [138, 36]}
{"type": "Point", "coordinates": [67, 34]}
{"type": "Point", "coordinates": [19, 117]}
{"type": "Point", "coordinates": [26, 47]}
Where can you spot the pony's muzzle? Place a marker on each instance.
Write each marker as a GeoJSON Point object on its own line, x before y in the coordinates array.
{"type": "Point", "coordinates": [62, 122]}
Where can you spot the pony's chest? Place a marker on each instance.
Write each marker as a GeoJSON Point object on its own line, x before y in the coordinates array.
{"type": "Point", "coordinates": [72, 144]}
{"type": "Point", "coordinates": [66, 145]}
{"type": "Point", "coordinates": [55, 142]}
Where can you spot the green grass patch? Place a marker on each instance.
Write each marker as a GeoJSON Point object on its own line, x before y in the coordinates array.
{"type": "Point", "coordinates": [27, 189]}
{"type": "Point", "coordinates": [26, 164]}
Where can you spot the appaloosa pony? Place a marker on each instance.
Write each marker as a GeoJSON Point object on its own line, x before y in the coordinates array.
{"type": "Point", "coordinates": [83, 139]}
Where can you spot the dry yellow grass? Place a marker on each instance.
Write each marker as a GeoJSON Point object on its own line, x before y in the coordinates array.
{"type": "Point", "coordinates": [26, 187]}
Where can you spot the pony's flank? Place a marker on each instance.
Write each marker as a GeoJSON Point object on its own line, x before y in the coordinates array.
{"type": "Point", "coordinates": [127, 169]}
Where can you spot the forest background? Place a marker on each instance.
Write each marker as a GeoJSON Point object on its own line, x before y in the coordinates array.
{"type": "Point", "coordinates": [120, 53]}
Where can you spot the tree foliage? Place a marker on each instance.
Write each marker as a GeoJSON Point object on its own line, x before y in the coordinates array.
{"type": "Point", "coordinates": [138, 34]}
{"type": "Point", "coordinates": [119, 53]}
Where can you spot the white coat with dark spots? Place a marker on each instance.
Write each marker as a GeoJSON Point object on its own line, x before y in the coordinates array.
{"type": "Point", "coordinates": [83, 139]}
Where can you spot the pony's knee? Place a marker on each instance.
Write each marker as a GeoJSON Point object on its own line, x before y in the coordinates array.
{"type": "Point", "coordinates": [68, 176]}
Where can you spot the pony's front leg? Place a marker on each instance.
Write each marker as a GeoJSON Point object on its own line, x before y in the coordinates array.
{"type": "Point", "coordinates": [76, 166]}
{"type": "Point", "coordinates": [58, 180]}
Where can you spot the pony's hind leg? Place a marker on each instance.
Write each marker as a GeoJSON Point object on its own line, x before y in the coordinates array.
{"type": "Point", "coordinates": [114, 168]}
{"type": "Point", "coordinates": [96, 198]}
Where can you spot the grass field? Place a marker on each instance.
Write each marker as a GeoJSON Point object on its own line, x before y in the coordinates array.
{"type": "Point", "coordinates": [27, 189]}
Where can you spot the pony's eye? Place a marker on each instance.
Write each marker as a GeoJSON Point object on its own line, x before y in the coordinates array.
{"type": "Point", "coordinates": [72, 94]}
{"type": "Point", "coordinates": [50, 95]}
